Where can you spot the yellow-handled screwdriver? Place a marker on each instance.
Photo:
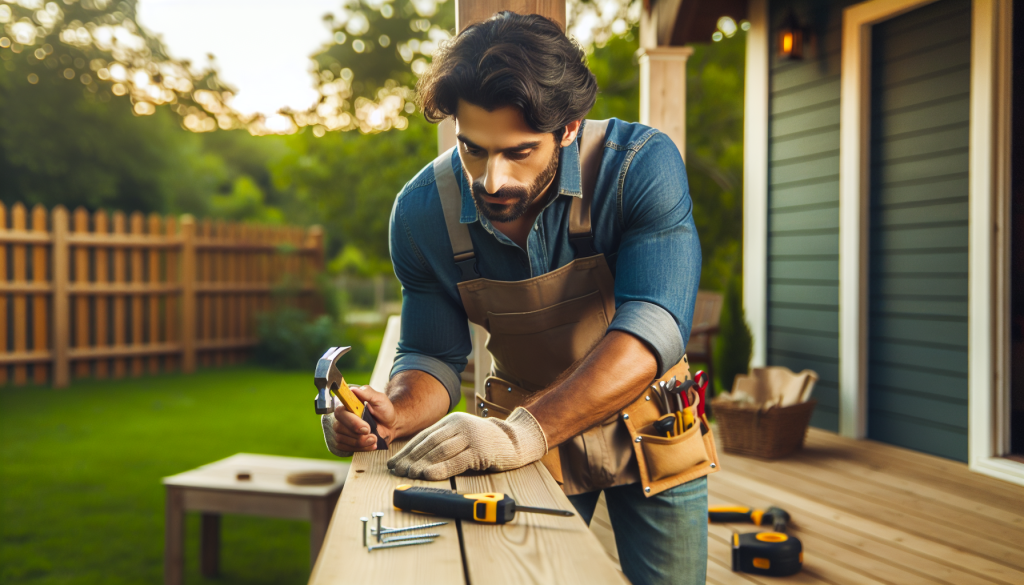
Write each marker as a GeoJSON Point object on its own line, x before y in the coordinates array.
{"type": "Point", "coordinates": [491, 508]}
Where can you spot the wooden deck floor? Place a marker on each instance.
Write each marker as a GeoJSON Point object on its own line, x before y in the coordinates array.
{"type": "Point", "coordinates": [871, 513]}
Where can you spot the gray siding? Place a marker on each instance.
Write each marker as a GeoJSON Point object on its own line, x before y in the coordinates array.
{"type": "Point", "coordinates": [803, 204]}
{"type": "Point", "coordinates": [917, 364]}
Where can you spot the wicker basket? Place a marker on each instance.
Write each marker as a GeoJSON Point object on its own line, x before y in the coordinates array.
{"type": "Point", "coordinates": [769, 434]}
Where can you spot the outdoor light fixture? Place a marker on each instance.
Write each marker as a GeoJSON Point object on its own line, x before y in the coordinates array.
{"type": "Point", "coordinates": [791, 39]}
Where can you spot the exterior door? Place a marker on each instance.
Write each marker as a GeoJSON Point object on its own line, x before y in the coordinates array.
{"type": "Point", "coordinates": [917, 348]}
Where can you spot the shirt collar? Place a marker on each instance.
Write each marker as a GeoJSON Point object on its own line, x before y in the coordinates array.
{"type": "Point", "coordinates": [569, 178]}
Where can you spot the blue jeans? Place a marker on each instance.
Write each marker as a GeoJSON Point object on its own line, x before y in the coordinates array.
{"type": "Point", "coordinates": [662, 539]}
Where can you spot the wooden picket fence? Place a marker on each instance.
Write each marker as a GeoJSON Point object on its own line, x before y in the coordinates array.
{"type": "Point", "coordinates": [109, 295]}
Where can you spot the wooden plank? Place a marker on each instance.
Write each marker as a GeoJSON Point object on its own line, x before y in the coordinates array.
{"type": "Point", "coordinates": [932, 520]}
{"type": "Point", "coordinates": [3, 297]}
{"type": "Point", "coordinates": [26, 357]}
{"type": "Point", "coordinates": [155, 229]}
{"type": "Point", "coordinates": [732, 489]}
{"type": "Point", "coordinates": [101, 227]}
{"type": "Point", "coordinates": [61, 302]}
{"type": "Point", "coordinates": [188, 295]}
{"type": "Point", "coordinates": [20, 303]}
{"type": "Point", "coordinates": [205, 259]}
{"type": "Point", "coordinates": [268, 474]}
{"type": "Point", "coordinates": [369, 489]}
{"type": "Point", "coordinates": [172, 277]}
{"type": "Point", "coordinates": [138, 318]}
{"type": "Point", "coordinates": [915, 499]}
{"type": "Point", "coordinates": [217, 274]}
{"type": "Point", "coordinates": [40, 311]}
{"type": "Point", "coordinates": [896, 537]}
{"type": "Point", "coordinates": [120, 308]}
{"type": "Point", "coordinates": [271, 506]}
{"type": "Point", "coordinates": [534, 548]}
{"type": "Point", "coordinates": [942, 473]}
{"type": "Point", "coordinates": [977, 505]}
{"type": "Point", "coordinates": [134, 350]}
{"type": "Point", "coordinates": [80, 220]}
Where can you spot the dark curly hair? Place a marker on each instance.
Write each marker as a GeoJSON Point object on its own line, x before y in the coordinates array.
{"type": "Point", "coordinates": [521, 60]}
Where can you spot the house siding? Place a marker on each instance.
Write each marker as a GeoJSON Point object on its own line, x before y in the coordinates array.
{"type": "Point", "coordinates": [803, 203]}
{"type": "Point", "coordinates": [917, 329]}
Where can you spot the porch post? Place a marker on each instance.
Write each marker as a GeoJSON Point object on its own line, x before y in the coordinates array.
{"type": "Point", "coordinates": [663, 91]}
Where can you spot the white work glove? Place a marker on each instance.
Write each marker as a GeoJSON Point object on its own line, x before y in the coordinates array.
{"type": "Point", "coordinates": [327, 422]}
{"type": "Point", "coordinates": [460, 442]}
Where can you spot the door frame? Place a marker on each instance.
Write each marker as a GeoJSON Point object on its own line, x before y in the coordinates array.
{"type": "Point", "coordinates": [988, 239]}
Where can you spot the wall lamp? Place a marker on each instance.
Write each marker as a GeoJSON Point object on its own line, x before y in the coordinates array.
{"type": "Point", "coordinates": [791, 39]}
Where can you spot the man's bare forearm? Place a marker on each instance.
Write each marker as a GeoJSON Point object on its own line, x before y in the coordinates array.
{"type": "Point", "coordinates": [605, 382]}
{"type": "Point", "coordinates": [420, 400]}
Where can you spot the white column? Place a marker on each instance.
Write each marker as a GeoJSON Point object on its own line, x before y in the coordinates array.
{"type": "Point", "coordinates": [663, 91]}
{"type": "Point", "coordinates": [755, 181]}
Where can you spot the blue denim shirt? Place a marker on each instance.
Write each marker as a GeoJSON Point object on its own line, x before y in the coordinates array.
{"type": "Point", "coordinates": [642, 218]}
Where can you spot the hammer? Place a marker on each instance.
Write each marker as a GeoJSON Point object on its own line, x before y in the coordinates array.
{"type": "Point", "coordinates": [334, 392]}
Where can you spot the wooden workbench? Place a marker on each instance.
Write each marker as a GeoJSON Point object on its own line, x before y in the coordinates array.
{"type": "Point", "coordinates": [534, 548]}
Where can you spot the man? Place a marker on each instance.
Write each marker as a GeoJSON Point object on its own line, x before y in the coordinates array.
{"type": "Point", "coordinates": [583, 272]}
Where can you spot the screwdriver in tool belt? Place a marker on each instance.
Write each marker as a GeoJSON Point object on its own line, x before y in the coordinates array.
{"type": "Point", "coordinates": [492, 508]}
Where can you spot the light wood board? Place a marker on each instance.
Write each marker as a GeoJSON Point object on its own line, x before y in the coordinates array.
{"type": "Point", "coordinates": [533, 548]}
{"type": "Point", "coordinates": [873, 513]}
{"type": "Point", "coordinates": [268, 474]}
{"type": "Point", "coordinates": [369, 489]}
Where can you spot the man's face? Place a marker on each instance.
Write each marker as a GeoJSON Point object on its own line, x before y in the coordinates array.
{"type": "Point", "coordinates": [508, 164]}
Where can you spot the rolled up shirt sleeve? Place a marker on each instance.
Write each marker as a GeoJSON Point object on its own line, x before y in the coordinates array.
{"type": "Point", "coordinates": [658, 262]}
{"type": "Point", "coordinates": [435, 332]}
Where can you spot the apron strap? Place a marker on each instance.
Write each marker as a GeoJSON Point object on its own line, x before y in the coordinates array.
{"type": "Point", "coordinates": [451, 204]}
{"type": "Point", "coordinates": [592, 141]}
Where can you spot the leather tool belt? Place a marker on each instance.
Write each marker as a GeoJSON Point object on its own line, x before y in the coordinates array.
{"type": "Point", "coordinates": [663, 462]}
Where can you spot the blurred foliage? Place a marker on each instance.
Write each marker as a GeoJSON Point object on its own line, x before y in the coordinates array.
{"type": "Point", "coordinates": [349, 181]}
{"type": "Point", "coordinates": [291, 338]}
{"type": "Point", "coordinates": [98, 47]}
{"type": "Point", "coordinates": [714, 154]}
{"type": "Point", "coordinates": [734, 344]}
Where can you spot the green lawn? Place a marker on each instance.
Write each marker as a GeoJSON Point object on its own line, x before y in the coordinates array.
{"type": "Point", "coordinates": [80, 473]}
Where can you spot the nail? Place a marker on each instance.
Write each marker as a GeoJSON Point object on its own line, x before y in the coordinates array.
{"type": "Point", "coordinates": [364, 520]}
{"type": "Point", "coordinates": [411, 537]}
{"type": "Point", "coordinates": [408, 528]}
{"type": "Point", "coordinates": [379, 516]}
{"type": "Point", "coordinates": [398, 544]}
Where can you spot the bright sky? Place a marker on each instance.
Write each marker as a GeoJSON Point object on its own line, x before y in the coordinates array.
{"type": "Point", "coordinates": [262, 46]}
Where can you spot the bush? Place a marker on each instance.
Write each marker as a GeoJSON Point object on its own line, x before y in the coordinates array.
{"type": "Point", "coordinates": [734, 343]}
{"type": "Point", "coordinates": [292, 339]}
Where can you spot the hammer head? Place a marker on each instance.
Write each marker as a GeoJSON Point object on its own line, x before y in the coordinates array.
{"type": "Point", "coordinates": [328, 377]}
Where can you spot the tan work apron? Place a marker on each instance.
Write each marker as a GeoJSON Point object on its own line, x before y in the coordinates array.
{"type": "Point", "coordinates": [539, 327]}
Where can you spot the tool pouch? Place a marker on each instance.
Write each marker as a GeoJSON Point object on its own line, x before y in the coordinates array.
{"type": "Point", "coordinates": [666, 462]}
{"type": "Point", "coordinates": [502, 397]}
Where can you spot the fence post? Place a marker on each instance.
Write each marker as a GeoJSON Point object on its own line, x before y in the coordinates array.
{"type": "Point", "coordinates": [188, 294]}
{"type": "Point", "coordinates": [61, 302]}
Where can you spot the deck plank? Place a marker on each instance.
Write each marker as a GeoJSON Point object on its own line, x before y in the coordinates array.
{"type": "Point", "coordinates": [369, 489]}
{"type": "Point", "coordinates": [533, 548]}
{"type": "Point", "coordinates": [807, 507]}
{"type": "Point", "coordinates": [994, 544]}
{"type": "Point", "coordinates": [944, 473]}
{"type": "Point", "coordinates": [920, 496]}
{"type": "Point", "coordinates": [810, 529]}
{"type": "Point", "coordinates": [854, 558]}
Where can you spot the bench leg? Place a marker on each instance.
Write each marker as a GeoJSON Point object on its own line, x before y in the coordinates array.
{"type": "Point", "coordinates": [209, 545]}
{"type": "Point", "coordinates": [174, 537]}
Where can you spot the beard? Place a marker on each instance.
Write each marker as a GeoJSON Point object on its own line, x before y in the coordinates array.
{"type": "Point", "coordinates": [517, 197]}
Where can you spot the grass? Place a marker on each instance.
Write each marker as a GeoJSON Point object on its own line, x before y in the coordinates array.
{"type": "Point", "coordinates": [80, 493]}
